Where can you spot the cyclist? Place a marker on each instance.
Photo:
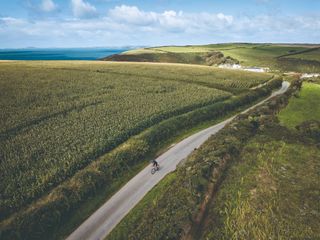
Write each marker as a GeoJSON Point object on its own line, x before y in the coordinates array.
{"type": "Point", "coordinates": [155, 164]}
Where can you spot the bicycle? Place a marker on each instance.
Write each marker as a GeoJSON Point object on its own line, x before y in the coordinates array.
{"type": "Point", "coordinates": [154, 169]}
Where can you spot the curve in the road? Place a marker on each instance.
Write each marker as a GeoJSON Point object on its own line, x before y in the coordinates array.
{"type": "Point", "coordinates": [101, 222]}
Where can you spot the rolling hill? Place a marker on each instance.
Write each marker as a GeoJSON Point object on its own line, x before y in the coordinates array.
{"type": "Point", "coordinates": [277, 57]}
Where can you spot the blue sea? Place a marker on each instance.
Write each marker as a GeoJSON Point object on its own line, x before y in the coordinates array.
{"type": "Point", "coordinates": [58, 53]}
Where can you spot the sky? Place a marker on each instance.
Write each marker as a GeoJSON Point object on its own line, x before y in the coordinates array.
{"type": "Point", "coordinates": [116, 23]}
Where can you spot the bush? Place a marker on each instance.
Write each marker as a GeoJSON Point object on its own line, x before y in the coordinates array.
{"type": "Point", "coordinates": [310, 128]}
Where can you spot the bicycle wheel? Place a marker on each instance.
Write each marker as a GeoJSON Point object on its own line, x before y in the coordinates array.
{"type": "Point", "coordinates": [153, 170]}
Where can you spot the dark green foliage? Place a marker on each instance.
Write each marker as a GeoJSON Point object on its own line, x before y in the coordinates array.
{"type": "Point", "coordinates": [299, 65]}
{"type": "Point", "coordinates": [210, 58]}
{"type": "Point", "coordinates": [217, 58]}
{"type": "Point", "coordinates": [191, 58]}
{"type": "Point", "coordinates": [310, 128]}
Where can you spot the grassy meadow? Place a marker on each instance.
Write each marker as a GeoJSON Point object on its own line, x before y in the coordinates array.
{"type": "Point", "coordinates": [67, 127]}
{"type": "Point", "coordinates": [272, 191]}
{"type": "Point", "coordinates": [302, 108]}
{"type": "Point", "coordinates": [298, 58]}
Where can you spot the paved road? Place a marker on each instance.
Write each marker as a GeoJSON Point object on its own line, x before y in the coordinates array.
{"type": "Point", "coordinates": [100, 223]}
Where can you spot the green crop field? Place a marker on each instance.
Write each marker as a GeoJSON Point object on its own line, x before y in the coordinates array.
{"type": "Point", "coordinates": [59, 117]}
{"type": "Point", "coordinates": [299, 58]}
{"type": "Point", "coordinates": [303, 107]}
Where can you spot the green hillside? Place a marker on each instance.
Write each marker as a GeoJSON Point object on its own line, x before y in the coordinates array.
{"type": "Point", "coordinates": [305, 107]}
{"type": "Point", "coordinates": [299, 58]}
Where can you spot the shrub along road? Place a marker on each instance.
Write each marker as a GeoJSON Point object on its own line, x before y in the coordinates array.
{"type": "Point", "coordinates": [100, 224]}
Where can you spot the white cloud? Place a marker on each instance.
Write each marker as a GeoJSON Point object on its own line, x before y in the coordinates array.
{"type": "Point", "coordinates": [128, 25]}
{"type": "Point", "coordinates": [228, 19]}
{"type": "Point", "coordinates": [169, 20]}
{"type": "Point", "coordinates": [132, 15]}
{"type": "Point", "coordinates": [48, 6]}
{"type": "Point", "coordinates": [84, 9]}
{"type": "Point", "coordinates": [173, 21]}
{"type": "Point", "coordinates": [13, 22]}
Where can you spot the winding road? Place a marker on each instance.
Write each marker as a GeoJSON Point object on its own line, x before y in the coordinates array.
{"type": "Point", "coordinates": [101, 222]}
